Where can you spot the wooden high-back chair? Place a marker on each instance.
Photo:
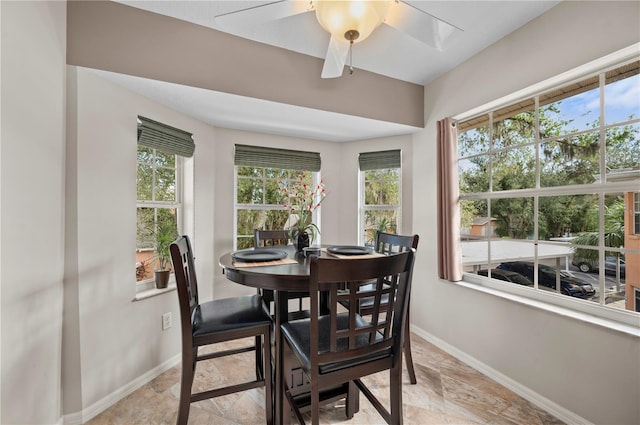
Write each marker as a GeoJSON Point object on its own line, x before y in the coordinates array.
{"type": "Point", "coordinates": [213, 322]}
{"type": "Point", "coordinates": [388, 243]}
{"type": "Point", "coordinates": [269, 238]}
{"type": "Point", "coordinates": [264, 238]}
{"type": "Point", "coordinates": [342, 347]}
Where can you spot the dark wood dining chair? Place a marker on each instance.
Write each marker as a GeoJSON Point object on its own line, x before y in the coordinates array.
{"type": "Point", "coordinates": [267, 238]}
{"type": "Point", "coordinates": [213, 322]}
{"type": "Point", "coordinates": [342, 346]}
{"type": "Point", "coordinates": [387, 243]}
{"type": "Point", "coordinates": [264, 238]}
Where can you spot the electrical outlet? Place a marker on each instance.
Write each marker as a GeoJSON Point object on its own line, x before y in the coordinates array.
{"type": "Point", "coordinates": [166, 321]}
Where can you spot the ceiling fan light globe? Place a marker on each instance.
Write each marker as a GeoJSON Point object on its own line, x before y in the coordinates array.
{"type": "Point", "coordinates": [338, 17]}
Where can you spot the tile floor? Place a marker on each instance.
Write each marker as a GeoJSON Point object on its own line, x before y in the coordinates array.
{"type": "Point", "coordinates": [448, 392]}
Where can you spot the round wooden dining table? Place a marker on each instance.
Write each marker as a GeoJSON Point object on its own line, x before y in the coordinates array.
{"type": "Point", "coordinates": [282, 279]}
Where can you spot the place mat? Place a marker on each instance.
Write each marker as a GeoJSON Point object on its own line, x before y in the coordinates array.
{"type": "Point", "coordinates": [264, 263]}
{"type": "Point", "coordinates": [353, 257]}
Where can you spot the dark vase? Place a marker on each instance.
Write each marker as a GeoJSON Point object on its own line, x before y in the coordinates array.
{"type": "Point", "coordinates": [301, 241]}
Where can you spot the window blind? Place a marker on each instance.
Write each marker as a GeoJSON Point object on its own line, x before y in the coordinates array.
{"type": "Point", "coordinates": [379, 160]}
{"type": "Point", "coordinates": [165, 138]}
{"type": "Point", "coordinates": [258, 156]}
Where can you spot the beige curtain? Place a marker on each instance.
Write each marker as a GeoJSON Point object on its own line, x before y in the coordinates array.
{"type": "Point", "coordinates": [449, 254]}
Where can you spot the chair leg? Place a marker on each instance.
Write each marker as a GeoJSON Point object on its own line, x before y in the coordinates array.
{"type": "Point", "coordinates": [188, 371]}
{"type": "Point", "coordinates": [407, 354]}
{"type": "Point", "coordinates": [266, 369]}
{"type": "Point", "coordinates": [315, 403]}
{"type": "Point", "coordinates": [395, 388]}
{"type": "Point", "coordinates": [259, 358]}
{"type": "Point", "coordinates": [353, 400]}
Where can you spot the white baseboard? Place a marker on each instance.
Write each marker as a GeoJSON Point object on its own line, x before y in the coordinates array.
{"type": "Point", "coordinates": [544, 403]}
{"type": "Point", "coordinates": [78, 418]}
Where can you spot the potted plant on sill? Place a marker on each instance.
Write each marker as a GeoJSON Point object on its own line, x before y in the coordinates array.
{"type": "Point", "coordinates": [301, 200]}
{"type": "Point", "coordinates": [165, 234]}
{"type": "Point", "coordinates": [384, 225]}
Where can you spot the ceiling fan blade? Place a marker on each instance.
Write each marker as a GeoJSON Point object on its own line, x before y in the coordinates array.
{"type": "Point", "coordinates": [335, 59]}
{"type": "Point", "coordinates": [260, 14]}
{"type": "Point", "coordinates": [421, 25]}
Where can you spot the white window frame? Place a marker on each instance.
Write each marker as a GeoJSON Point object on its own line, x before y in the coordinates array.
{"type": "Point", "coordinates": [146, 285]}
{"type": "Point", "coordinates": [316, 215]}
{"type": "Point", "coordinates": [362, 207]}
{"type": "Point", "coordinates": [622, 320]}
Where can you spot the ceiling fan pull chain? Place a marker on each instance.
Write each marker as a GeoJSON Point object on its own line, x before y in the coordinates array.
{"type": "Point", "coordinates": [351, 35]}
{"type": "Point", "coordinates": [351, 58]}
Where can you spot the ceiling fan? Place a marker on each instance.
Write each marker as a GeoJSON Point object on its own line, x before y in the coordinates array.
{"type": "Point", "coordinates": [351, 22]}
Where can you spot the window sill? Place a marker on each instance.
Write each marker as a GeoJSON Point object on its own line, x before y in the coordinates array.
{"type": "Point", "coordinates": [153, 292]}
{"type": "Point", "coordinates": [582, 310]}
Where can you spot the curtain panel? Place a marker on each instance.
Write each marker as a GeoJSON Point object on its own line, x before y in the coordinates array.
{"type": "Point", "coordinates": [449, 252]}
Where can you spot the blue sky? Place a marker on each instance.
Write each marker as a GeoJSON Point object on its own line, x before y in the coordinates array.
{"type": "Point", "coordinates": [622, 99]}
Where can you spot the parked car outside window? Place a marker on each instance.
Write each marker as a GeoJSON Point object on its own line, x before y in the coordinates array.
{"type": "Point", "coordinates": [569, 284]}
{"type": "Point", "coordinates": [586, 265]}
{"type": "Point", "coordinates": [507, 276]}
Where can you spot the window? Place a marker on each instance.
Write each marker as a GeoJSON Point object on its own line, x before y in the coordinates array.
{"type": "Point", "coordinates": [380, 176]}
{"type": "Point", "coordinates": [258, 173]}
{"type": "Point", "coordinates": [546, 180]}
{"type": "Point", "coordinates": [636, 213]}
{"type": "Point", "coordinates": [159, 197]}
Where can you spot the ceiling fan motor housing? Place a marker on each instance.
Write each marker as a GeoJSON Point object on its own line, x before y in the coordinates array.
{"type": "Point", "coordinates": [351, 20]}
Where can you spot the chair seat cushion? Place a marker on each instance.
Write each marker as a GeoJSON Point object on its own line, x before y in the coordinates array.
{"type": "Point", "coordinates": [297, 333]}
{"type": "Point", "coordinates": [228, 314]}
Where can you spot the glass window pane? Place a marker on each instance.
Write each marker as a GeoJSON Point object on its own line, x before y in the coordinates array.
{"type": "Point", "coordinates": [249, 191]}
{"type": "Point", "coordinates": [565, 216]}
{"type": "Point", "coordinates": [144, 183]}
{"type": "Point", "coordinates": [389, 192]}
{"type": "Point", "coordinates": [573, 160]}
{"type": "Point", "coordinates": [165, 160]}
{"type": "Point", "coordinates": [250, 171]}
{"type": "Point", "coordinates": [514, 169]}
{"type": "Point", "coordinates": [145, 219]}
{"type": "Point", "coordinates": [165, 184]}
{"type": "Point", "coordinates": [474, 223]}
{"type": "Point", "coordinates": [276, 173]}
{"type": "Point", "coordinates": [622, 99]}
{"type": "Point", "coordinates": [474, 141]}
{"type": "Point", "coordinates": [517, 126]}
{"type": "Point", "coordinates": [272, 196]}
{"type": "Point", "coordinates": [636, 213]}
{"type": "Point", "coordinates": [276, 219]}
{"type": "Point", "coordinates": [513, 217]}
{"type": "Point", "coordinates": [248, 221]}
{"type": "Point", "coordinates": [570, 109]}
{"type": "Point", "coordinates": [145, 155]}
{"type": "Point", "coordinates": [379, 220]}
{"type": "Point", "coordinates": [473, 174]}
{"type": "Point", "coordinates": [244, 242]}
{"type": "Point", "coordinates": [623, 148]}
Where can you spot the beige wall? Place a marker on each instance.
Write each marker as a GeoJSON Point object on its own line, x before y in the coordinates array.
{"type": "Point", "coordinates": [565, 364]}
{"type": "Point", "coordinates": [32, 198]}
{"type": "Point", "coordinates": [110, 344]}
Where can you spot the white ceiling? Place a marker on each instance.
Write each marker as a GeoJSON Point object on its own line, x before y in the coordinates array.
{"type": "Point", "coordinates": [387, 51]}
